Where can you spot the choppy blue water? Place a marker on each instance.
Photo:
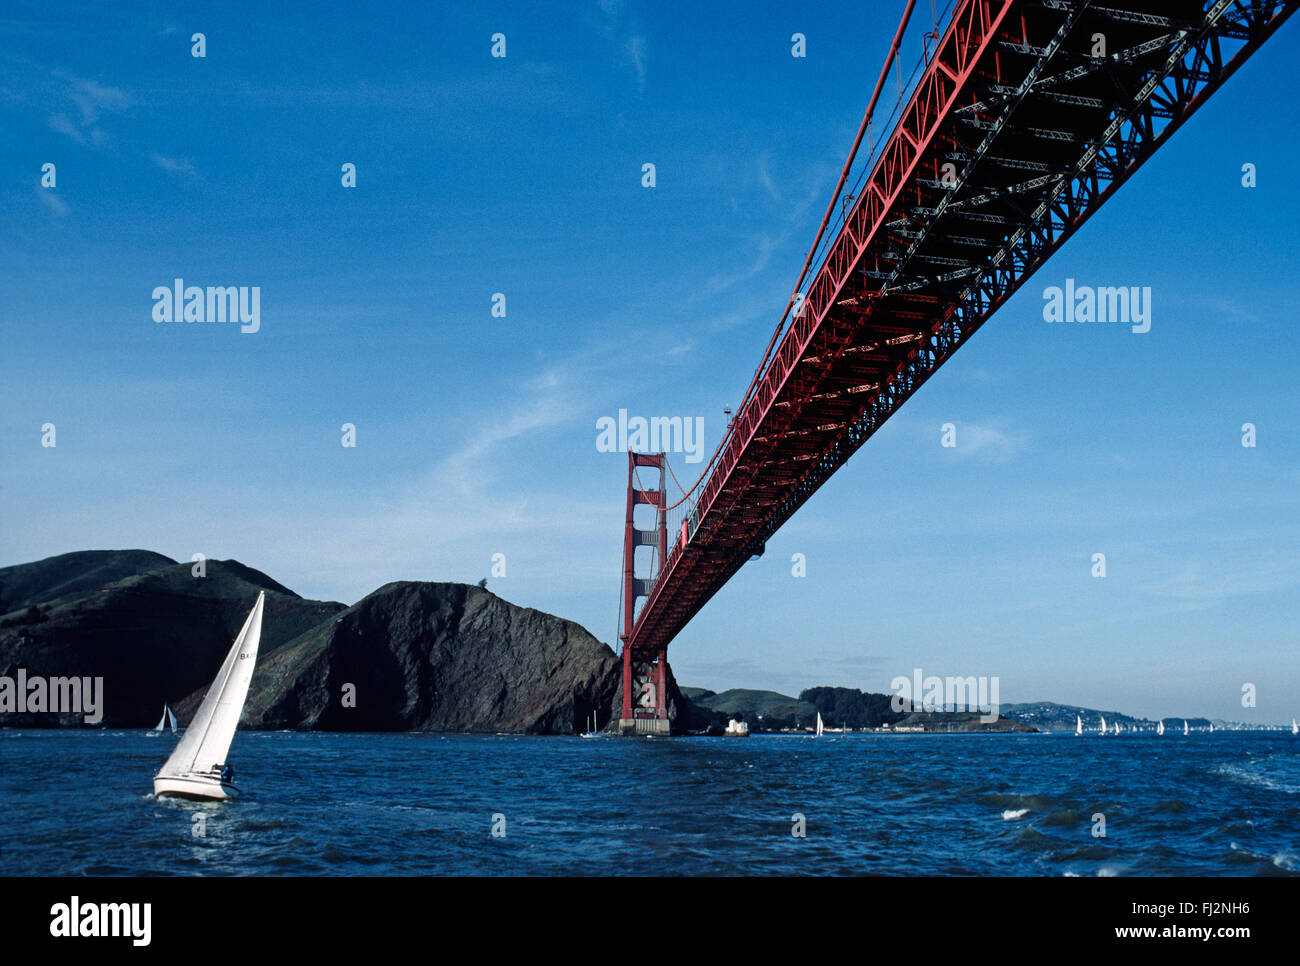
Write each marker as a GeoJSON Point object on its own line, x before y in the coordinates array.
{"type": "Point", "coordinates": [80, 802]}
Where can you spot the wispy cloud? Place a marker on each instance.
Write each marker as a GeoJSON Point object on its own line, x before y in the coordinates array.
{"type": "Point", "coordinates": [548, 402]}
{"type": "Point", "coordinates": [52, 201]}
{"type": "Point", "coordinates": [989, 442]}
{"type": "Point", "coordinates": [765, 244]}
{"type": "Point", "coordinates": [91, 100]}
{"type": "Point", "coordinates": [622, 25]}
{"type": "Point", "coordinates": [765, 176]}
{"type": "Point", "coordinates": [636, 54]}
{"type": "Point", "coordinates": [63, 125]}
{"type": "Point", "coordinates": [174, 165]}
{"type": "Point", "coordinates": [761, 247]}
{"type": "Point", "coordinates": [1197, 582]}
{"type": "Point", "coordinates": [94, 98]}
{"type": "Point", "coordinates": [446, 521]}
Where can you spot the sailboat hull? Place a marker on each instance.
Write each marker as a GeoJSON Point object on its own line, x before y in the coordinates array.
{"type": "Point", "coordinates": [198, 787]}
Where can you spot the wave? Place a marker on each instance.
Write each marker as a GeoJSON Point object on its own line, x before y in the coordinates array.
{"type": "Point", "coordinates": [1014, 800]}
{"type": "Point", "coordinates": [1285, 860]}
{"type": "Point", "coordinates": [1257, 774]}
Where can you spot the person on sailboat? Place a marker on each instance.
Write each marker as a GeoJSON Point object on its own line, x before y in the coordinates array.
{"type": "Point", "coordinates": [227, 774]}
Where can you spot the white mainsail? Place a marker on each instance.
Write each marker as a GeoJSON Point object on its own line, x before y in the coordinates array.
{"type": "Point", "coordinates": [168, 720]}
{"type": "Point", "coordinates": [1103, 725]}
{"type": "Point", "coordinates": [819, 724]}
{"type": "Point", "coordinates": [1160, 728]}
{"type": "Point", "coordinates": [1078, 725]}
{"type": "Point", "coordinates": [1184, 726]}
{"type": "Point", "coordinates": [207, 739]}
{"type": "Point", "coordinates": [1295, 728]}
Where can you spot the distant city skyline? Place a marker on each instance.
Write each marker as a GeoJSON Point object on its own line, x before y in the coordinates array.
{"type": "Point", "coordinates": [477, 420]}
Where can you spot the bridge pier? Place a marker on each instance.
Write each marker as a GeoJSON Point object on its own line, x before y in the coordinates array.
{"type": "Point", "coordinates": [645, 673]}
{"type": "Point", "coordinates": [645, 689]}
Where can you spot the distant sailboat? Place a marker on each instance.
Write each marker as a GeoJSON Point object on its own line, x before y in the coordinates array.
{"type": "Point", "coordinates": [1116, 727]}
{"type": "Point", "coordinates": [1295, 728]}
{"type": "Point", "coordinates": [1078, 725]}
{"type": "Point", "coordinates": [820, 727]}
{"type": "Point", "coordinates": [1185, 729]}
{"type": "Point", "coordinates": [591, 732]}
{"type": "Point", "coordinates": [167, 720]}
{"type": "Point", "coordinates": [1160, 728]}
{"type": "Point", "coordinates": [1211, 727]}
{"type": "Point", "coordinates": [1103, 725]}
{"type": "Point", "coordinates": [197, 766]}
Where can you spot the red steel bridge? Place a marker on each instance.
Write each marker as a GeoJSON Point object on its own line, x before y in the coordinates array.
{"type": "Point", "coordinates": [1025, 117]}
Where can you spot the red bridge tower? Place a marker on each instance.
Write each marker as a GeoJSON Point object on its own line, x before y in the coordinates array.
{"type": "Point", "coordinates": [645, 672]}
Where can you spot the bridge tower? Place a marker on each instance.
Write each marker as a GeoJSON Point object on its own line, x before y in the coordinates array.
{"type": "Point", "coordinates": [645, 672]}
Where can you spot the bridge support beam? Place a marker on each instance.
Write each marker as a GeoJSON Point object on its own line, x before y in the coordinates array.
{"type": "Point", "coordinates": [645, 673]}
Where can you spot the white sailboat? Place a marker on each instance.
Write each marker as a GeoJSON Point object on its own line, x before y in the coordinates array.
{"type": "Point", "coordinates": [197, 767]}
{"type": "Point", "coordinates": [820, 727]}
{"type": "Point", "coordinates": [1185, 729]}
{"type": "Point", "coordinates": [168, 720]}
{"type": "Point", "coordinates": [1116, 727]}
{"type": "Point", "coordinates": [1103, 725]}
{"type": "Point", "coordinates": [1211, 727]}
{"type": "Point", "coordinates": [591, 732]}
{"type": "Point", "coordinates": [1160, 728]}
{"type": "Point", "coordinates": [1078, 725]}
{"type": "Point", "coordinates": [1295, 728]}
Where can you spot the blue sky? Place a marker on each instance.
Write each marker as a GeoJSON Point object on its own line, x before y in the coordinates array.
{"type": "Point", "coordinates": [476, 435]}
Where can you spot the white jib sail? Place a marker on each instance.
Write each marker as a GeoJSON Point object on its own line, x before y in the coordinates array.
{"type": "Point", "coordinates": [207, 739]}
{"type": "Point", "coordinates": [162, 722]}
{"type": "Point", "coordinates": [819, 723]}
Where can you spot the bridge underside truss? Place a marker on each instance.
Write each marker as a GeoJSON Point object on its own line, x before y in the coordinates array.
{"type": "Point", "coordinates": [1020, 128]}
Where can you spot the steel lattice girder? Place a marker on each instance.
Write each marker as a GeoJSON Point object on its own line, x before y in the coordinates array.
{"type": "Point", "coordinates": [921, 262]}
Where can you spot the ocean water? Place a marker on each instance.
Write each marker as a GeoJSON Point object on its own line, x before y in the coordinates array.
{"type": "Point", "coordinates": [80, 802]}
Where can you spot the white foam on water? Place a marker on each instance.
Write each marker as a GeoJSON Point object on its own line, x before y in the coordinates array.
{"type": "Point", "coordinates": [1250, 775]}
{"type": "Point", "coordinates": [1013, 813]}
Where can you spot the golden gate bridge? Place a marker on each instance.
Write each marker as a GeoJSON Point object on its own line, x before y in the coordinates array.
{"type": "Point", "coordinates": [1024, 118]}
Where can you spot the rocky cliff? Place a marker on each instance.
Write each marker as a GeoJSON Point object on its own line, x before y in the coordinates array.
{"type": "Point", "coordinates": [410, 656]}
{"type": "Point", "coordinates": [436, 657]}
{"type": "Point", "coordinates": [154, 636]}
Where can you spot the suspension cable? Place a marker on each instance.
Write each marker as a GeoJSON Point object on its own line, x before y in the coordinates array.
{"type": "Point", "coordinates": [826, 218]}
